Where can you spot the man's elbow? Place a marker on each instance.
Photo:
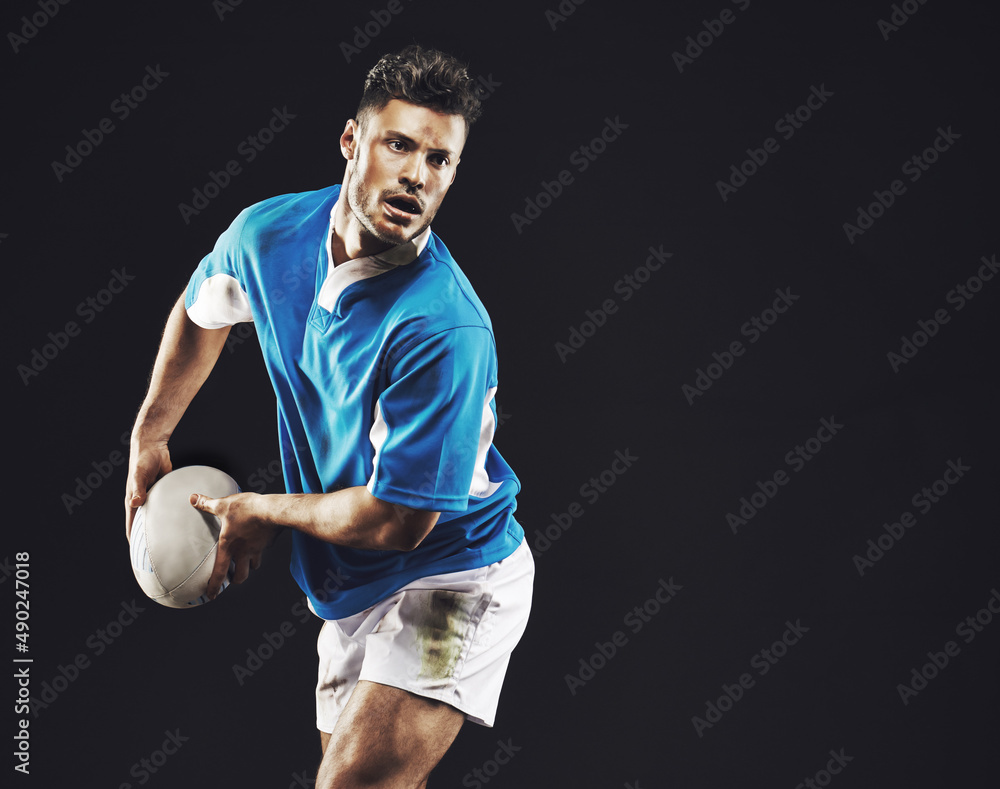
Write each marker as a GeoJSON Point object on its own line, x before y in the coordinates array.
{"type": "Point", "coordinates": [405, 531]}
{"type": "Point", "coordinates": [402, 543]}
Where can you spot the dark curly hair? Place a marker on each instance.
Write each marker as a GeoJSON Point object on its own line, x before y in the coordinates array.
{"type": "Point", "coordinates": [425, 77]}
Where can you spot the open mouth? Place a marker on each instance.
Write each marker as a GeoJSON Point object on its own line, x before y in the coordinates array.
{"type": "Point", "coordinates": [405, 204]}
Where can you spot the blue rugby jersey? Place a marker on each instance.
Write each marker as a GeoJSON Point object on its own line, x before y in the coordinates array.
{"type": "Point", "coordinates": [385, 371]}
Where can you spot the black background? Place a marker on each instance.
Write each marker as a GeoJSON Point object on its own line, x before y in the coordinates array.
{"type": "Point", "coordinates": [554, 85]}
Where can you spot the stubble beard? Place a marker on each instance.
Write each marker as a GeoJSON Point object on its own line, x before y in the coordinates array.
{"type": "Point", "coordinates": [368, 215]}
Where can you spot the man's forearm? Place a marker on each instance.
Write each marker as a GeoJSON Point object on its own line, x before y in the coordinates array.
{"type": "Point", "coordinates": [350, 517]}
{"type": "Point", "coordinates": [187, 355]}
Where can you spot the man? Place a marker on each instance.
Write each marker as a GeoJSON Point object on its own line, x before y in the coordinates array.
{"type": "Point", "coordinates": [383, 362]}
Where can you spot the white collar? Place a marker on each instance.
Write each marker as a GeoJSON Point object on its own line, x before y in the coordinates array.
{"type": "Point", "coordinates": [356, 269]}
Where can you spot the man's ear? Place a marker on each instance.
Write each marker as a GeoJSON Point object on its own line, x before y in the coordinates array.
{"type": "Point", "coordinates": [349, 139]}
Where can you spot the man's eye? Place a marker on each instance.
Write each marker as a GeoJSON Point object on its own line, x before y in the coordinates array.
{"type": "Point", "coordinates": [397, 145]}
{"type": "Point", "coordinates": [439, 160]}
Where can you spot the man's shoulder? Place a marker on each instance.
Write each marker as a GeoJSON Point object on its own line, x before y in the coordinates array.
{"type": "Point", "coordinates": [444, 291]}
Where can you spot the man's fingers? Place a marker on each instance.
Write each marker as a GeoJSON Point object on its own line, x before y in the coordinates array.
{"type": "Point", "coordinates": [129, 516]}
{"type": "Point", "coordinates": [140, 479]}
{"type": "Point", "coordinates": [137, 484]}
{"type": "Point", "coordinates": [135, 494]}
{"type": "Point", "coordinates": [222, 557]}
{"type": "Point", "coordinates": [242, 570]}
{"type": "Point", "coordinates": [222, 560]}
{"type": "Point", "coordinates": [203, 503]}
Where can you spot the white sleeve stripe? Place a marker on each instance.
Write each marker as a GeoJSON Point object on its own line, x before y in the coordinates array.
{"type": "Point", "coordinates": [220, 302]}
{"type": "Point", "coordinates": [377, 435]}
{"type": "Point", "coordinates": [482, 486]}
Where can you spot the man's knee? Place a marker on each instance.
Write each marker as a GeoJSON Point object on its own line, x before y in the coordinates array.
{"type": "Point", "coordinates": [353, 768]}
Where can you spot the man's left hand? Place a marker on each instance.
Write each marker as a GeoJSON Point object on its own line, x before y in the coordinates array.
{"type": "Point", "coordinates": [243, 538]}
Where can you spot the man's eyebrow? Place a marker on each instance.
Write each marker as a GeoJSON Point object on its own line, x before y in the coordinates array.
{"type": "Point", "coordinates": [406, 138]}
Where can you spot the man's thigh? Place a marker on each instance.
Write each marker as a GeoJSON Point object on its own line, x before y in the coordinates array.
{"type": "Point", "coordinates": [387, 737]}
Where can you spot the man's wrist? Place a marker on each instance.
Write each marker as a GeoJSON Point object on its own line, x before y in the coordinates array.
{"type": "Point", "coordinates": [145, 437]}
{"type": "Point", "coordinates": [149, 428]}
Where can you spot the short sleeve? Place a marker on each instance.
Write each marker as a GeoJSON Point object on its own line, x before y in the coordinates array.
{"type": "Point", "coordinates": [429, 421]}
{"type": "Point", "coordinates": [217, 294]}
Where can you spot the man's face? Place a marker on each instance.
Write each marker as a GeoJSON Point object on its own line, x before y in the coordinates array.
{"type": "Point", "coordinates": [400, 165]}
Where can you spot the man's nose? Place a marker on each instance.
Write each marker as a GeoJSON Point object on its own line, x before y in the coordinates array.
{"type": "Point", "coordinates": [413, 172]}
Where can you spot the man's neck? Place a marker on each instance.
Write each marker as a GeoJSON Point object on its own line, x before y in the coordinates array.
{"type": "Point", "coordinates": [349, 240]}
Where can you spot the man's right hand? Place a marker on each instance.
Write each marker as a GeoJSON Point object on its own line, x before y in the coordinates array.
{"type": "Point", "coordinates": [147, 463]}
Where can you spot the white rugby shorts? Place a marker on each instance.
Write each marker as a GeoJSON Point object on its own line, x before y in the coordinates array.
{"type": "Point", "coordinates": [447, 637]}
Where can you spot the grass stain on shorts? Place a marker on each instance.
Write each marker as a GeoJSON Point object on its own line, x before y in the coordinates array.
{"type": "Point", "coordinates": [441, 631]}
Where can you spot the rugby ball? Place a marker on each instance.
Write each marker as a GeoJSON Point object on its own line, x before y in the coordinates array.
{"type": "Point", "coordinates": [173, 545]}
